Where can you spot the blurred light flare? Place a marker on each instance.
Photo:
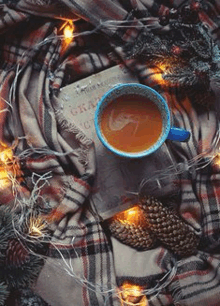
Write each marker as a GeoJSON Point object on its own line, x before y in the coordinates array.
{"type": "Point", "coordinates": [132, 294]}
{"type": "Point", "coordinates": [8, 165]}
{"type": "Point", "coordinates": [133, 215]}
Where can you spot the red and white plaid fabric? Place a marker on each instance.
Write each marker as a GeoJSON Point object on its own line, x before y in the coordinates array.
{"type": "Point", "coordinates": [83, 266]}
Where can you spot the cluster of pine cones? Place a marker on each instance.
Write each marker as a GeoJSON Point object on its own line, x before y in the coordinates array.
{"type": "Point", "coordinates": [160, 225]}
{"type": "Point", "coordinates": [20, 260]}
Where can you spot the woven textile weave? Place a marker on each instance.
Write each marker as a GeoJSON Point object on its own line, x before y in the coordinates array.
{"type": "Point", "coordinates": [34, 66]}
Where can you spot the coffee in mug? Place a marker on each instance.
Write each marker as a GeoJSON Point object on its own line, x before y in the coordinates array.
{"type": "Point", "coordinates": [127, 120]}
{"type": "Point", "coordinates": [133, 120]}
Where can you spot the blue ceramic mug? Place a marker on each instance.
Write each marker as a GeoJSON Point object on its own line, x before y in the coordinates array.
{"type": "Point", "coordinates": [144, 91]}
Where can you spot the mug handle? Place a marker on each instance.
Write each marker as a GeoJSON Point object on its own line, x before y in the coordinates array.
{"type": "Point", "coordinates": [178, 134]}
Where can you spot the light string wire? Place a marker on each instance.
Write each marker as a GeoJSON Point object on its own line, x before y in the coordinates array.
{"type": "Point", "coordinates": [40, 181]}
{"type": "Point", "coordinates": [108, 24]}
{"type": "Point", "coordinates": [196, 163]}
{"type": "Point", "coordinates": [67, 266]}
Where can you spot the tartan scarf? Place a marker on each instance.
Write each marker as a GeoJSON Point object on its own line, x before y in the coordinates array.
{"type": "Point", "coordinates": [33, 71]}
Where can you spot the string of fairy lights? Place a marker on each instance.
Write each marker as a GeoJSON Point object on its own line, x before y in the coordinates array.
{"type": "Point", "coordinates": [11, 173]}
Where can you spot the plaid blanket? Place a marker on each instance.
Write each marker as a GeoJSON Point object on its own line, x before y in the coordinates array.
{"type": "Point", "coordinates": [85, 266]}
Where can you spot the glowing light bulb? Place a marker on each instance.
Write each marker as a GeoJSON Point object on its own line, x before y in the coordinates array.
{"type": "Point", "coordinates": [4, 180]}
{"type": "Point", "coordinates": [133, 215]}
{"type": "Point", "coordinates": [67, 29]}
{"type": "Point", "coordinates": [158, 72]}
{"type": "Point", "coordinates": [9, 169]}
{"type": "Point", "coordinates": [216, 160]}
{"type": "Point", "coordinates": [131, 294]}
{"type": "Point", "coordinates": [37, 227]}
{"type": "Point", "coordinates": [68, 32]}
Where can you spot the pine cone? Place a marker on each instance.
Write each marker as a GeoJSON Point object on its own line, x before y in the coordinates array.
{"type": "Point", "coordinates": [27, 297]}
{"type": "Point", "coordinates": [174, 233]}
{"type": "Point", "coordinates": [16, 254]}
{"type": "Point", "coordinates": [3, 293]}
{"type": "Point", "coordinates": [132, 232]}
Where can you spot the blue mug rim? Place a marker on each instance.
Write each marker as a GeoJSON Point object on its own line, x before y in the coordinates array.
{"type": "Point", "coordinates": [157, 144]}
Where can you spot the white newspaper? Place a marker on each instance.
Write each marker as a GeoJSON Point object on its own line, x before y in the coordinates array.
{"type": "Point", "coordinates": [118, 179]}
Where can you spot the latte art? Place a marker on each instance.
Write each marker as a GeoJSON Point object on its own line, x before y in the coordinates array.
{"type": "Point", "coordinates": [117, 123]}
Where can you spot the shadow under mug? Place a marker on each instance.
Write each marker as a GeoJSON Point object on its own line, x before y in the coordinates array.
{"type": "Point", "coordinates": [168, 132]}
